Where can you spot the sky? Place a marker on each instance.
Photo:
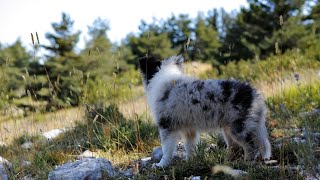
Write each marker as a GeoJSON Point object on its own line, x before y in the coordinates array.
{"type": "Point", "coordinates": [19, 18]}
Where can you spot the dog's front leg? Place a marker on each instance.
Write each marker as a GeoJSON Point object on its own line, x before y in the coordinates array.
{"type": "Point", "coordinates": [168, 142]}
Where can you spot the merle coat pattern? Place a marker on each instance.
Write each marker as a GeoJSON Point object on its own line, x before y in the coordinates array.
{"type": "Point", "coordinates": [183, 105]}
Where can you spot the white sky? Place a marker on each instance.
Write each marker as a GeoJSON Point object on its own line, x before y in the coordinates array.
{"type": "Point", "coordinates": [19, 18]}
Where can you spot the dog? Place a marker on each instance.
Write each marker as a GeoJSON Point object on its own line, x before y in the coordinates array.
{"type": "Point", "coordinates": [183, 105]}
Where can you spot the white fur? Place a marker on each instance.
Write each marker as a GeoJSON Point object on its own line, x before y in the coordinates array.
{"type": "Point", "coordinates": [183, 105]}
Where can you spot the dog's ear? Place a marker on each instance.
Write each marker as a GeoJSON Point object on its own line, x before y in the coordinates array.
{"type": "Point", "coordinates": [149, 65]}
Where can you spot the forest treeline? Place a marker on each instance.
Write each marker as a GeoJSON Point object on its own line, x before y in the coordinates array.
{"type": "Point", "coordinates": [62, 77]}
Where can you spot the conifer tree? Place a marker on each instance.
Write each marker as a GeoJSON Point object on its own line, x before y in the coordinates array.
{"type": "Point", "coordinates": [65, 79]}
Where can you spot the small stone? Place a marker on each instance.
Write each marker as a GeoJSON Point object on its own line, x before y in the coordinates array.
{"type": "Point", "coordinates": [3, 144]}
{"type": "Point", "coordinates": [195, 178]}
{"type": "Point", "coordinates": [27, 145]}
{"type": "Point", "coordinates": [145, 161]}
{"type": "Point", "coordinates": [127, 173]}
{"type": "Point", "coordinates": [28, 177]}
{"type": "Point", "coordinates": [25, 163]}
{"type": "Point", "coordinates": [298, 140]}
{"type": "Point", "coordinates": [86, 154]}
{"type": "Point", "coordinates": [49, 135]}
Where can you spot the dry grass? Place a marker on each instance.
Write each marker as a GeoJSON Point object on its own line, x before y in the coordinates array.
{"type": "Point", "coordinates": [37, 123]}
{"type": "Point", "coordinates": [307, 76]}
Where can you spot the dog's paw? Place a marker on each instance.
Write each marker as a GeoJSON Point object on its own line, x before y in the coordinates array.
{"type": "Point", "coordinates": [156, 165]}
{"type": "Point", "coordinates": [159, 165]}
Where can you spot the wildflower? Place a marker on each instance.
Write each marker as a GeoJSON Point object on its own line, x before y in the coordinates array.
{"type": "Point", "coordinates": [297, 76]}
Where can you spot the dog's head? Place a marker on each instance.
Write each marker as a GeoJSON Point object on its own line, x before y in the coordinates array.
{"type": "Point", "coordinates": [150, 65]}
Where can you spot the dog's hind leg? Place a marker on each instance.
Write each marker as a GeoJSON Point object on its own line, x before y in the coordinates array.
{"type": "Point", "coordinates": [232, 146]}
{"type": "Point", "coordinates": [246, 140]}
{"type": "Point", "coordinates": [191, 138]}
{"type": "Point", "coordinates": [168, 142]}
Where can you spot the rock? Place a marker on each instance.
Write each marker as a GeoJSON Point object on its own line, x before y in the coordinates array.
{"type": "Point", "coordinates": [179, 154]}
{"type": "Point", "coordinates": [298, 140]}
{"type": "Point", "coordinates": [195, 178]}
{"type": "Point", "coordinates": [5, 167]}
{"type": "Point", "coordinates": [127, 173]}
{"type": "Point", "coordinates": [5, 162]}
{"type": "Point", "coordinates": [49, 135]}
{"type": "Point", "coordinates": [3, 172]}
{"type": "Point", "coordinates": [25, 163]}
{"type": "Point", "coordinates": [27, 145]}
{"type": "Point", "coordinates": [28, 177]}
{"type": "Point", "coordinates": [3, 144]}
{"type": "Point", "coordinates": [86, 168]}
{"type": "Point", "coordinates": [157, 154]}
{"type": "Point", "coordinates": [145, 161]}
{"type": "Point", "coordinates": [86, 154]}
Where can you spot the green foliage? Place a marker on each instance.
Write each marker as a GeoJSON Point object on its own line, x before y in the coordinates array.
{"type": "Point", "coordinates": [255, 30]}
{"type": "Point", "coordinates": [295, 100]}
{"type": "Point", "coordinates": [99, 40]}
{"type": "Point", "coordinates": [105, 129]}
{"type": "Point", "coordinates": [206, 43]}
{"type": "Point", "coordinates": [114, 131]}
{"type": "Point", "coordinates": [150, 43]}
{"type": "Point", "coordinates": [267, 70]}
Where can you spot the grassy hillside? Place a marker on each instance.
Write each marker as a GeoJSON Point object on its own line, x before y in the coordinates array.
{"type": "Point", "coordinates": [122, 131]}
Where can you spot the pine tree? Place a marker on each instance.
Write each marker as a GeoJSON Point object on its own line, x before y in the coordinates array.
{"type": "Point", "coordinates": [14, 61]}
{"type": "Point", "coordinates": [254, 31]}
{"type": "Point", "coordinates": [152, 41]}
{"type": "Point", "coordinates": [206, 44]}
{"type": "Point", "coordinates": [62, 65]}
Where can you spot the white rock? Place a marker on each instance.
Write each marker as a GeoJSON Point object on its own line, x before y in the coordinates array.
{"type": "Point", "coordinates": [86, 154]}
{"type": "Point", "coordinates": [25, 163]}
{"type": "Point", "coordinates": [2, 144]}
{"type": "Point", "coordinates": [49, 135]}
{"type": "Point", "coordinates": [145, 161]}
{"type": "Point", "coordinates": [27, 178]}
{"type": "Point", "coordinates": [3, 172]}
{"type": "Point", "coordinates": [5, 162]}
{"type": "Point", "coordinates": [86, 168]}
{"type": "Point", "coordinates": [27, 145]}
{"type": "Point", "coordinates": [195, 177]}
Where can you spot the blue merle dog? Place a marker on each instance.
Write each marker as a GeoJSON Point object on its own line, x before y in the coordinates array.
{"type": "Point", "coordinates": [183, 105]}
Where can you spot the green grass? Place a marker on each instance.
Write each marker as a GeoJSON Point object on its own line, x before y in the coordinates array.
{"type": "Point", "coordinates": [288, 106]}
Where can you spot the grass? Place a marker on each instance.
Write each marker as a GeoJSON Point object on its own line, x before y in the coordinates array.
{"type": "Point", "coordinates": [114, 123]}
